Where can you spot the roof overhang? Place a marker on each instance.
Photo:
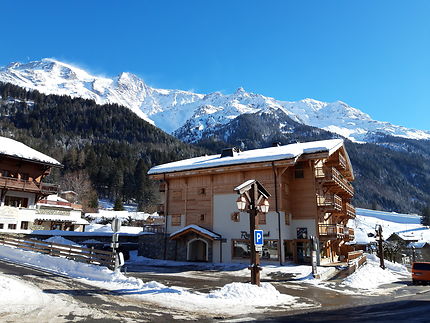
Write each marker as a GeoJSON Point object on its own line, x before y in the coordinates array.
{"type": "Point", "coordinates": [196, 230]}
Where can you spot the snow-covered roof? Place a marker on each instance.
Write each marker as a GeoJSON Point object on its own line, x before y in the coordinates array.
{"type": "Point", "coordinates": [15, 148]}
{"type": "Point", "coordinates": [197, 228]}
{"type": "Point", "coordinates": [418, 244]}
{"type": "Point", "coordinates": [292, 151]}
{"type": "Point", "coordinates": [55, 197]}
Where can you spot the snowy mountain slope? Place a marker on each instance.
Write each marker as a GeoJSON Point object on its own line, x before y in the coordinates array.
{"type": "Point", "coordinates": [175, 111]}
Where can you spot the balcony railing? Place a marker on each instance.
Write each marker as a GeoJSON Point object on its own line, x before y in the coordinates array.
{"type": "Point", "coordinates": [331, 175]}
{"type": "Point", "coordinates": [331, 230]}
{"type": "Point", "coordinates": [342, 162]}
{"type": "Point", "coordinates": [349, 233]}
{"type": "Point", "coordinates": [331, 202]}
{"type": "Point", "coordinates": [350, 210]}
{"type": "Point", "coordinates": [47, 188]}
{"type": "Point", "coordinates": [28, 186]}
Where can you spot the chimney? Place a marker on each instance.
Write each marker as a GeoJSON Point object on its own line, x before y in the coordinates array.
{"type": "Point", "coordinates": [229, 152]}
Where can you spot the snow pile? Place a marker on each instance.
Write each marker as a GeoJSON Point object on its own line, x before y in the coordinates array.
{"type": "Point", "coordinates": [106, 228]}
{"type": "Point", "coordinates": [371, 276]}
{"type": "Point", "coordinates": [261, 296]}
{"type": "Point", "coordinates": [61, 240]}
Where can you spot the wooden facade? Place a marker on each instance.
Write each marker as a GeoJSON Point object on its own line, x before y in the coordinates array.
{"type": "Point", "coordinates": [310, 194]}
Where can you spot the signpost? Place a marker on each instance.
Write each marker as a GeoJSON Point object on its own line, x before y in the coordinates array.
{"type": "Point", "coordinates": [258, 240]}
{"type": "Point", "coordinates": [116, 226]}
{"type": "Point", "coordinates": [253, 198]}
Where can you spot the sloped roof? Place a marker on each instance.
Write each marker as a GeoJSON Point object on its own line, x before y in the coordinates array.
{"type": "Point", "coordinates": [17, 149]}
{"type": "Point", "coordinates": [196, 229]}
{"type": "Point", "coordinates": [291, 151]}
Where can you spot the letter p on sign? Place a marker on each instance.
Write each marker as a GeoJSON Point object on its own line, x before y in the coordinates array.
{"type": "Point", "coordinates": [258, 237]}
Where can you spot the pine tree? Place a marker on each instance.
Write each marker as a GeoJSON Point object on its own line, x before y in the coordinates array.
{"type": "Point", "coordinates": [118, 205]}
{"type": "Point", "coordinates": [425, 219]}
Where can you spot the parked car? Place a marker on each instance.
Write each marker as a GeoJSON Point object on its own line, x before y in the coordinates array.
{"type": "Point", "coordinates": [421, 272]}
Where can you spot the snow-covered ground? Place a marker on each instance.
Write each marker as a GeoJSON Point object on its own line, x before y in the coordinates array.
{"type": "Point", "coordinates": [406, 225]}
{"type": "Point", "coordinates": [21, 301]}
{"type": "Point", "coordinates": [234, 298]}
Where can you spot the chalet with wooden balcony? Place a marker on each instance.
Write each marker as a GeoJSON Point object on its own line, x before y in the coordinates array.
{"type": "Point", "coordinates": [310, 190]}
{"type": "Point", "coordinates": [24, 202]}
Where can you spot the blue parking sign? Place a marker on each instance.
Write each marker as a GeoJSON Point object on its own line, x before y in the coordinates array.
{"type": "Point", "coordinates": [258, 237]}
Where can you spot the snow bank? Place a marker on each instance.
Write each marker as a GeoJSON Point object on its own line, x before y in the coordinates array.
{"type": "Point", "coordinates": [61, 240]}
{"type": "Point", "coordinates": [371, 276]}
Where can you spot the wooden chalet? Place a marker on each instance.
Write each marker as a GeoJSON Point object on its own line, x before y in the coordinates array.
{"type": "Point", "coordinates": [24, 202]}
{"type": "Point", "coordinates": [310, 192]}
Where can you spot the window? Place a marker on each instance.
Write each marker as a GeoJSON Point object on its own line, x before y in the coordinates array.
{"type": "Point", "coordinates": [270, 250]}
{"type": "Point", "coordinates": [202, 217]}
{"type": "Point", "coordinates": [16, 201]}
{"type": "Point", "coordinates": [11, 226]}
{"type": "Point", "coordinates": [1, 225]}
{"type": "Point", "coordinates": [202, 191]}
{"type": "Point", "coordinates": [235, 217]}
{"type": "Point", "coordinates": [262, 218]}
{"type": "Point", "coordinates": [242, 249]}
{"type": "Point", "coordinates": [24, 225]}
{"type": "Point", "coordinates": [56, 226]}
{"type": "Point", "coordinates": [299, 171]}
{"type": "Point", "coordinates": [176, 219]}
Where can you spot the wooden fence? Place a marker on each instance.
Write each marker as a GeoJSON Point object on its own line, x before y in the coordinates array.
{"type": "Point", "coordinates": [76, 253]}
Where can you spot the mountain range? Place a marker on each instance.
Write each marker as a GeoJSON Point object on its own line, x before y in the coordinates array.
{"type": "Point", "coordinates": [192, 117]}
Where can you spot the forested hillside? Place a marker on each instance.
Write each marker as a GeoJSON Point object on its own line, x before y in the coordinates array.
{"type": "Point", "coordinates": [107, 144]}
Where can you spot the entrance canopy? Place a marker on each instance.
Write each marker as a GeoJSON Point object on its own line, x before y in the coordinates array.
{"type": "Point", "coordinates": [193, 228]}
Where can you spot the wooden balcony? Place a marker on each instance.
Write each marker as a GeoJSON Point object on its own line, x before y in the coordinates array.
{"type": "Point", "coordinates": [342, 162]}
{"type": "Point", "coordinates": [48, 189]}
{"type": "Point", "coordinates": [330, 202]}
{"type": "Point", "coordinates": [330, 231]}
{"type": "Point", "coordinates": [330, 176]}
{"type": "Point", "coordinates": [349, 234]}
{"type": "Point", "coordinates": [350, 210]}
{"type": "Point", "coordinates": [16, 184]}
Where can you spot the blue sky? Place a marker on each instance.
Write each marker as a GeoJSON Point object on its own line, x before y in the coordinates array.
{"type": "Point", "coordinates": [373, 55]}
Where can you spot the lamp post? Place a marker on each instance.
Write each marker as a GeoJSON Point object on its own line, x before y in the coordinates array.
{"type": "Point", "coordinates": [253, 198]}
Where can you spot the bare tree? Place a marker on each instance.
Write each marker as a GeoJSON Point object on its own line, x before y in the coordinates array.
{"type": "Point", "coordinates": [80, 183]}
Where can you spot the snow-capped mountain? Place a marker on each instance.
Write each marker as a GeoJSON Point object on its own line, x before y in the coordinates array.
{"type": "Point", "coordinates": [177, 111]}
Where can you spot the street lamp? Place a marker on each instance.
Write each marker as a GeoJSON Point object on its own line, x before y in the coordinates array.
{"type": "Point", "coordinates": [241, 203]}
{"type": "Point", "coordinates": [253, 198]}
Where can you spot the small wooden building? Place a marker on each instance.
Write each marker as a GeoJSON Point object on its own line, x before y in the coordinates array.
{"type": "Point", "coordinates": [310, 192]}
